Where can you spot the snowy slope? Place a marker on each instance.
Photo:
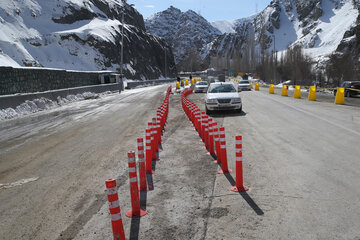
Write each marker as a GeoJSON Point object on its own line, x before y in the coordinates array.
{"type": "Point", "coordinates": [76, 34]}
{"type": "Point", "coordinates": [224, 26]}
{"type": "Point", "coordinates": [319, 35]}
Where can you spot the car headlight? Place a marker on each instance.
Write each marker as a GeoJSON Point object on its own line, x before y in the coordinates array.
{"type": "Point", "coordinates": [211, 101]}
{"type": "Point", "coordinates": [236, 100]}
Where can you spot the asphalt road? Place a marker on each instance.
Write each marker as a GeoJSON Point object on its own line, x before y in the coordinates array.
{"type": "Point", "coordinates": [301, 162]}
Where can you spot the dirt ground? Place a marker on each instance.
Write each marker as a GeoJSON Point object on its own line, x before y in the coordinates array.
{"type": "Point", "coordinates": [303, 184]}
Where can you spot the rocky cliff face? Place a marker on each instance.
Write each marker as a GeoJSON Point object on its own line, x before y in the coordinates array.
{"type": "Point", "coordinates": [350, 44]}
{"type": "Point", "coordinates": [183, 31]}
{"type": "Point", "coordinates": [80, 35]}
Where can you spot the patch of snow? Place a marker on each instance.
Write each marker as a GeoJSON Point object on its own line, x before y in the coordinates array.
{"type": "Point", "coordinates": [224, 26]}
{"type": "Point", "coordinates": [42, 104]}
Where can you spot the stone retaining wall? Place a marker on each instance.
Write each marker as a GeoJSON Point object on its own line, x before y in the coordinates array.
{"type": "Point", "coordinates": [26, 80]}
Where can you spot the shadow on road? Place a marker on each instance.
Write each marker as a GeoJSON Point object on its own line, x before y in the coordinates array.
{"type": "Point", "coordinates": [150, 182]}
{"type": "Point", "coordinates": [223, 114]}
{"type": "Point", "coordinates": [135, 221]}
{"type": "Point", "coordinates": [135, 228]}
{"type": "Point", "coordinates": [246, 196]}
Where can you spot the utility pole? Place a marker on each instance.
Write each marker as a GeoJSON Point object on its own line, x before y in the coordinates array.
{"type": "Point", "coordinates": [275, 59]}
{"type": "Point", "coordinates": [122, 41]}
{"type": "Point", "coordinates": [165, 63]}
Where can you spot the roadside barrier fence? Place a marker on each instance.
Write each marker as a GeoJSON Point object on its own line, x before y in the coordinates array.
{"type": "Point", "coordinates": [339, 96]}
{"type": "Point", "coordinates": [214, 139]}
{"type": "Point", "coordinates": [146, 155]}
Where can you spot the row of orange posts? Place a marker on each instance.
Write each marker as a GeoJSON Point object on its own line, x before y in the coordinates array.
{"type": "Point", "coordinates": [339, 98]}
{"type": "Point", "coordinates": [214, 139]}
{"type": "Point", "coordinates": [146, 154]}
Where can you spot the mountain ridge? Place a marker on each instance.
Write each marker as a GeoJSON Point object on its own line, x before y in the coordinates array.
{"type": "Point", "coordinates": [319, 26]}
{"type": "Point", "coordinates": [80, 35]}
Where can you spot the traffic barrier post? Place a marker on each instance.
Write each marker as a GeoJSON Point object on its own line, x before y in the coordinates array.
{"type": "Point", "coordinates": [239, 185]}
{"type": "Point", "coordinates": [271, 89]}
{"type": "Point", "coordinates": [217, 145]}
{"type": "Point", "coordinates": [135, 211]}
{"type": "Point", "coordinates": [312, 93]}
{"type": "Point", "coordinates": [297, 92]}
{"type": "Point", "coordinates": [148, 152]}
{"type": "Point", "coordinates": [224, 164]}
{"type": "Point", "coordinates": [284, 91]}
{"type": "Point", "coordinates": [142, 166]}
{"type": "Point", "coordinates": [114, 207]}
{"type": "Point", "coordinates": [211, 138]}
{"type": "Point", "coordinates": [257, 87]}
{"type": "Point", "coordinates": [340, 96]}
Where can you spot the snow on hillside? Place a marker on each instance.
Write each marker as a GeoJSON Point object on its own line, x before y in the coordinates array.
{"type": "Point", "coordinates": [330, 31]}
{"type": "Point", "coordinates": [224, 26]}
{"type": "Point", "coordinates": [317, 25]}
{"type": "Point", "coordinates": [80, 35]}
{"type": "Point", "coordinates": [29, 36]}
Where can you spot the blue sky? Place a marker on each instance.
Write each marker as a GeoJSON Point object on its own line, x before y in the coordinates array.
{"type": "Point", "coordinates": [212, 10]}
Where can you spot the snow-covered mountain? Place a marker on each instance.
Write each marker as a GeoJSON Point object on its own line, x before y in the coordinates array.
{"type": "Point", "coordinates": [183, 31]}
{"type": "Point", "coordinates": [319, 26]}
{"type": "Point", "coordinates": [79, 35]}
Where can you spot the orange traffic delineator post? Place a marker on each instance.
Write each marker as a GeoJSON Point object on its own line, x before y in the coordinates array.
{"type": "Point", "coordinates": [148, 152]}
{"type": "Point", "coordinates": [153, 153]}
{"type": "Point", "coordinates": [114, 207]}
{"type": "Point", "coordinates": [136, 211]}
{"type": "Point", "coordinates": [239, 186]}
{"type": "Point", "coordinates": [224, 164]}
{"type": "Point", "coordinates": [217, 144]}
{"type": "Point", "coordinates": [211, 137]}
{"type": "Point", "coordinates": [155, 132]}
{"type": "Point", "coordinates": [142, 166]}
{"type": "Point", "coordinates": [158, 126]}
{"type": "Point", "coordinates": [206, 135]}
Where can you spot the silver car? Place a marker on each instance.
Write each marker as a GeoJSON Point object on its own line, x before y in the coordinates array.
{"type": "Point", "coordinates": [244, 85]}
{"type": "Point", "coordinates": [222, 96]}
{"type": "Point", "coordinates": [201, 86]}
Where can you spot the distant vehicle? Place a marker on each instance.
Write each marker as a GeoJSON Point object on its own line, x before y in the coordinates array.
{"type": "Point", "coordinates": [201, 86]}
{"type": "Point", "coordinates": [348, 86]}
{"type": "Point", "coordinates": [222, 96]}
{"type": "Point", "coordinates": [244, 85]}
{"type": "Point", "coordinates": [221, 77]}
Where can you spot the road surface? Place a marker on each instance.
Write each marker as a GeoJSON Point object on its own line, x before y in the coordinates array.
{"type": "Point", "coordinates": [301, 162]}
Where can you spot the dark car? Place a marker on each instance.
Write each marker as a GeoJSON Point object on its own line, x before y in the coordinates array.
{"type": "Point", "coordinates": [351, 88]}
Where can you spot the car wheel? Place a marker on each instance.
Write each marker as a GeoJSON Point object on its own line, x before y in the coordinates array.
{"type": "Point", "coordinates": [207, 111]}
{"type": "Point", "coordinates": [239, 110]}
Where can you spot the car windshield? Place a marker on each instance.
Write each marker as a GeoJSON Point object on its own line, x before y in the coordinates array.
{"type": "Point", "coordinates": [222, 88]}
{"type": "Point", "coordinates": [244, 82]}
{"type": "Point", "coordinates": [201, 83]}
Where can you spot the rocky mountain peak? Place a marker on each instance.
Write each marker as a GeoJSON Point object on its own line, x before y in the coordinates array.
{"type": "Point", "coordinates": [183, 31]}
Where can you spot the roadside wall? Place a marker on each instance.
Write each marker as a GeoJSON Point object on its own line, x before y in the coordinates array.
{"type": "Point", "coordinates": [25, 80]}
